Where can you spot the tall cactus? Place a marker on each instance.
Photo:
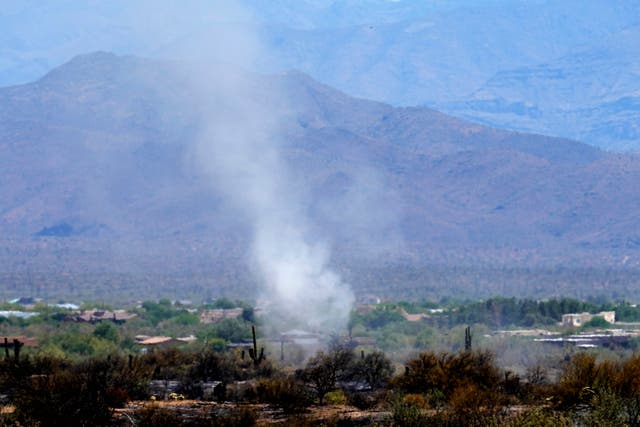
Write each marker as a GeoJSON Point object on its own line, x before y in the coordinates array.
{"type": "Point", "coordinates": [467, 338]}
{"type": "Point", "coordinates": [253, 352]}
{"type": "Point", "coordinates": [17, 345]}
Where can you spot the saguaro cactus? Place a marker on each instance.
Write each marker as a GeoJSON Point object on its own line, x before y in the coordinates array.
{"type": "Point", "coordinates": [467, 338]}
{"type": "Point", "coordinates": [17, 345]}
{"type": "Point", "coordinates": [253, 352]}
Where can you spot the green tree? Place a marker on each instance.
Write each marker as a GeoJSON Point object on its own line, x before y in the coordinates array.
{"type": "Point", "coordinates": [162, 310]}
{"type": "Point", "coordinates": [224, 303]}
{"type": "Point", "coordinates": [107, 331]}
{"type": "Point", "coordinates": [596, 322]}
{"type": "Point", "coordinates": [374, 369]}
{"type": "Point", "coordinates": [186, 319]}
{"type": "Point", "coordinates": [323, 370]}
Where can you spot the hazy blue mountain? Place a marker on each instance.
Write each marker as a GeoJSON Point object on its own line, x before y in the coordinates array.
{"type": "Point", "coordinates": [442, 55]}
{"type": "Point", "coordinates": [318, 14]}
{"type": "Point", "coordinates": [559, 68]}
{"type": "Point", "coordinates": [96, 177]}
{"type": "Point", "coordinates": [591, 95]}
{"type": "Point", "coordinates": [487, 61]}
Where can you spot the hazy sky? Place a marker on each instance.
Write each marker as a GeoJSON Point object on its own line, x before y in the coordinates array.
{"type": "Point", "coordinates": [37, 36]}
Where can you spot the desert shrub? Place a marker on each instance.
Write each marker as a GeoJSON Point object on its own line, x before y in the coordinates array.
{"type": "Point", "coordinates": [627, 382]}
{"type": "Point", "coordinates": [421, 374]}
{"type": "Point", "coordinates": [265, 369]}
{"type": "Point", "coordinates": [539, 417]}
{"type": "Point", "coordinates": [300, 420]}
{"type": "Point", "coordinates": [338, 421]}
{"type": "Point", "coordinates": [167, 364]}
{"type": "Point", "coordinates": [210, 365]}
{"type": "Point", "coordinates": [323, 370]}
{"type": "Point", "coordinates": [133, 377]}
{"type": "Point", "coordinates": [512, 385]}
{"type": "Point", "coordinates": [374, 369]}
{"type": "Point", "coordinates": [336, 397]}
{"type": "Point", "coordinates": [284, 392]}
{"type": "Point", "coordinates": [536, 375]}
{"type": "Point", "coordinates": [435, 398]}
{"type": "Point", "coordinates": [471, 406]}
{"type": "Point", "coordinates": [206, 366]}
{"type": "Point", "coordinates": [363, 400]}
{"type": "Point", "coordinates": [80, 395]}
{"type": "Point", "coordinates": [237, 417]}
{"type": "Point", "coordinates": [7, 420]}
{"type": "Point", "coordinates": [155, 416]}
{"type": "Point", "coordinates": [600, 386]}
{"type": "Point", "coordinates": [407, 413]}
{"type": "Point", "coordinates": [580, 379]}
{"type": "Point", "coordinates": [447, 372]}
{"type": "Point", "coordinates": [607, 408]}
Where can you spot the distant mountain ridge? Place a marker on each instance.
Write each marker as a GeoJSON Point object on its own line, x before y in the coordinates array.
{"type": "Point", "coordinates": [95, 176]}
{"type": "Point", "coordinates": [565, 68]}
{"type": "Point", "coordinates": [590, 95]}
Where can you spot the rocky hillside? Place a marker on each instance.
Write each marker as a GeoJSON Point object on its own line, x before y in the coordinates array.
{"type": "Point", "coordinates": [97, 177]}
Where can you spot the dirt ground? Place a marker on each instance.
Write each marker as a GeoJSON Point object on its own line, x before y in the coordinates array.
{"type": "Point", "coordinates": [267, 415]}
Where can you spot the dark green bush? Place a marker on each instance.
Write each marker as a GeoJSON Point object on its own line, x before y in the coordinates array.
{"type": "Point", "coordinates": [446, 372]}
{"type": "Point", "coordinates": [84, 394]}
{"type": "Point", "coordinates": [284, 392]}
{"type": "Point", "coordinates": [405, 413]}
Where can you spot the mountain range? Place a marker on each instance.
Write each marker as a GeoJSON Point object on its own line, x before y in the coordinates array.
{"type": "Point", "coordinates": [564, 68]}
{"type": "Point", "coordinates": [98, 185]}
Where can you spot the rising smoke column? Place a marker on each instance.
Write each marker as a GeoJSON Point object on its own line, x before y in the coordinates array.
{"type": "Point", "coordinates": [240, 149]}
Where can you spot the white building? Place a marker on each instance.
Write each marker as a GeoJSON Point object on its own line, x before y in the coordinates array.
{"type": "Point", "coordinates": [579, 319]}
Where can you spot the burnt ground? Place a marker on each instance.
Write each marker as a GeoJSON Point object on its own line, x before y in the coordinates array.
{"type": "Point", "coordinates": [267, 414]}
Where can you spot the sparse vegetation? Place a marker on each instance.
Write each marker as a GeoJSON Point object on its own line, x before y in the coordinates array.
{"type": "Point", "coordinates": [98, 368]}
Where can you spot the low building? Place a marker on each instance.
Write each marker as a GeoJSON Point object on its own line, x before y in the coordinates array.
{"type": "Point", "coordinates": [68, 306]}
{"type": "Point", "coordinates": [26, 302]}
{"type": "Point", "coordinates": [413, 317]}
{"type": "Point", "coordinates": [95, 315]}
{"type": "Point", "coordinates": [302, 338]}
{"type": "Point", "coordinates": [609, 338]}
{"type": "Point", "coordinates": [525, 333]}
{"type": "Point", "coordinates": [147, 342]}
{"type": "Point", "coordinates": [19, 314]}
{"type": "Point", "coordinates": [219, 314]}
{"type": "Point", "coordinates": [579, 319]}
{"type": "Point", "coordinates": [368, 299]}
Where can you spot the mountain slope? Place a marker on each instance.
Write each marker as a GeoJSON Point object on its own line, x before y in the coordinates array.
{"type": "Point", "coordinates": [498, 62]}
{"type": "Point", "coordinates": [98, 178]}
{"type": "Point", "coordinates": [590, 95]}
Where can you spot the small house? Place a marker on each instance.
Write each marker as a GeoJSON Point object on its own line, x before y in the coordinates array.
{"type": "Point", "coordinates": [579, 319]}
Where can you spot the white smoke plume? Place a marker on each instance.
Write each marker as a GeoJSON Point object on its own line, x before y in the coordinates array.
{"type": "Point", "coordinates": [239, 148]}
